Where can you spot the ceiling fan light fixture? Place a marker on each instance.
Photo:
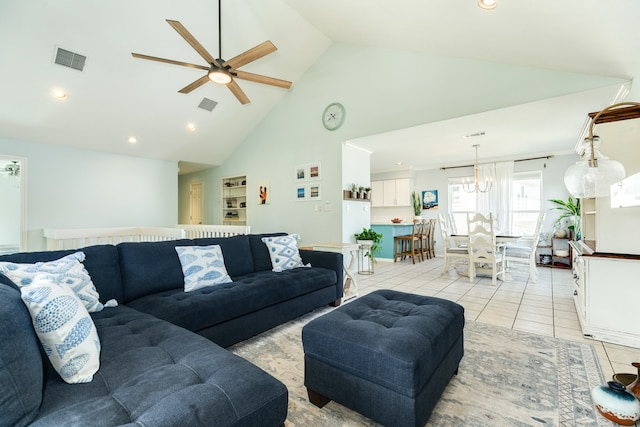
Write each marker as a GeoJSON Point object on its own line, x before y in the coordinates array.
{"type": "Point", "coordinates": [487, 4]}
{"type": "Point", "coordinates": [219, 76]}
{"type": "Point", "coordinates": [59, 94]}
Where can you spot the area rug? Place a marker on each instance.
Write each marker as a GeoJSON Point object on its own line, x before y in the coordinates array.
{"type": "Point", "coordinates": [506, 378]}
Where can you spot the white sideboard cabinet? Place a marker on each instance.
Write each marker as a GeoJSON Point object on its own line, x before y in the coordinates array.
{"type": "Point", "coordinates": [606, 262]}
{"type": "Point", "coordinates": [606, 292]}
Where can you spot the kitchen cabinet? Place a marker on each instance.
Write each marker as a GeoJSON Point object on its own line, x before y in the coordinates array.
{"type": "Point", "coordinates": [391, 192]}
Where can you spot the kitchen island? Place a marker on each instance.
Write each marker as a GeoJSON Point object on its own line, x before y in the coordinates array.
{"type": "Point", "coordinates": [389, 231]}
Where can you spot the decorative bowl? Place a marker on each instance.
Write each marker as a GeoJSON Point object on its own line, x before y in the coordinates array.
{"type": "Point", "coordinates": [562, 252]}
{"type": "Point", "coordinates": [396, 220]}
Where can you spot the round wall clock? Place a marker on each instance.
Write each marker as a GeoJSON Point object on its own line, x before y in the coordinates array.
{"type": "Point", "coordinates": [333, 116]}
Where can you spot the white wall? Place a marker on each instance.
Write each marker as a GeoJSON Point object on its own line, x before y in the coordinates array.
{"type": "Point", "coordinates": [73, 188]}
{"type": "Point", "coordinates": [356, 215]}
{"type": "Point", "coordinates": [11, 204]}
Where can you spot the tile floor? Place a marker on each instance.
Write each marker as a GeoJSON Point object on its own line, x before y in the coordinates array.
{"type": "Point", "coordinates": [545, 307]}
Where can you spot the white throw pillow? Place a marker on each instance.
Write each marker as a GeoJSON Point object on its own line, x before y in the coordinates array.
{"type": "Point", "coordinates": [64, 327]}
{"type": "Point", "coordinates": [68, 270]}
{"type": "Point", "coordinates": [284, 253]}
{"type": "Point", "coordinates": [202, 266]}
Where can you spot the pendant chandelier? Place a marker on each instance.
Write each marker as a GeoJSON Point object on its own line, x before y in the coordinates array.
{"type": "Point", "coordinates": [477, 186]}
{"type": "Point", "coordinates": [593, 175]}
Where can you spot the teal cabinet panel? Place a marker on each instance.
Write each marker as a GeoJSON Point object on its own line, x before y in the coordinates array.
{"type": "Point", "coordinates": [388, 233]}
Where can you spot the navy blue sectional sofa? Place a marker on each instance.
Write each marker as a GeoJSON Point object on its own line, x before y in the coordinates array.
{"type": "Point", "coordinates": [162, 360]}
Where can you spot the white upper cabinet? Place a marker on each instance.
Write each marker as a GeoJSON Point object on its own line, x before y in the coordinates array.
{"type": "Point", "coordinates": [391, 192]}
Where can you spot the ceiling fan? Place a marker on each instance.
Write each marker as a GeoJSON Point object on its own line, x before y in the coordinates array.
{"type": "Point", "coordinates": [220, 71]}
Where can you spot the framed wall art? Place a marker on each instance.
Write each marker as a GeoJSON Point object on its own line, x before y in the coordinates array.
{"type": "Point", "coordinates": [301, 192]}
{"type": "Point", "coordinates": [315, 191]}
{"type": "Point", "coordinates": [300, 173]}
{"type": "Point", "coordinates": [430, 199]}
{"type": "Point", "coordinates": [264, 193]}
{"type": "Point", "coordinates": [314, 171]}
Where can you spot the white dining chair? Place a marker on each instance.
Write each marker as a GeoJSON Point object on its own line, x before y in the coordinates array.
{"type": "Point", "coordinates": [483, 248]}
{"type": "Point", "coordinates": [450, 251]}
{"type": "Point", "coordinates": [524, 250]}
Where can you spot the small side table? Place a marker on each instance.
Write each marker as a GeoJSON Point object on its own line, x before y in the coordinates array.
{"type": "Point", "coordinates": [349, 273]}
{"type": "Point", "coordinates": [365, 263]}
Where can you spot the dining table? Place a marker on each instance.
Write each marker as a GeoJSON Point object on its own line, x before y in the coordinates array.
{"type": "Point", "coordinates": [500, 238]}
{"type": "Point", "coordinates": [501, 241]}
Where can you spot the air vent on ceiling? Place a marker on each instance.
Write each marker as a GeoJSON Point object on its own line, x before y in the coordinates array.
{"type": "Point", "coordinates": [70, 59]}
{"type": "Point", "coordinates": [207, 104]}
{"type": "Point", "coordinates": [473, 135]}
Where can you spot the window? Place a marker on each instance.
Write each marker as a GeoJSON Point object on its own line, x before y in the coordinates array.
{"type": "Point", "coordinates": [526, 202]}
{"type": "Point", "coordinates": [460, 203]}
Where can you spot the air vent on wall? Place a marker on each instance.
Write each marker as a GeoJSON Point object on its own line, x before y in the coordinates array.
{"type": "Point", "coordinates": [70, 59]}
{"type": "Point", "coordinates": [207, 104]}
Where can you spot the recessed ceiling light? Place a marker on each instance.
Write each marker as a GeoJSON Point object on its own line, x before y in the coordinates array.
{"type": "Point", "coordinates": [59, 94]}
{"type": "Point", "coordinates": [487, 4]}
{"type": "Point", "coordinates": [132, 140]}
{"type": "Point", "coordinates": [399, 163]}
{"type": "Point", "coordinates": [191, 126]}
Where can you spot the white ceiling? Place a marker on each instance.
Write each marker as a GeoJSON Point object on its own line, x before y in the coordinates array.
{"type": "Point", "coordinates": [117, 96]}
{"type": "Point", "coordinates": [549, 127]}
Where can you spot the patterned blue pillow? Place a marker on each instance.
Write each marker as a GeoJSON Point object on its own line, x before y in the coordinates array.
{"type": "Point", "coordinates": [284, 253]}
{"type": "Point", "coordinates": [64, 327]}
{"type": "Point", "coordinates": [68, 269]}
{"type": "Point", "coordinates": [202, 266]}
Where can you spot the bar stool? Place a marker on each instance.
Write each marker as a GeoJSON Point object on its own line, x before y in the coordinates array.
{"type": "Point", "coordinates": [409, 245]}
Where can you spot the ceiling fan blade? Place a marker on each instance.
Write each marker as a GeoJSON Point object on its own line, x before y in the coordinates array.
{"type": "Point", "coordinates": [251, 55]}
{"type": "Point", "coordinates": [258, 78]}
{"type": "Point", "coordinates": [235, 89]}
{"type": "Point", "coordinates": [169, 61]}
{"type": "Point", "coordinates": [191, 86]}
{"type": "Point", "coordinates": [192, 41]}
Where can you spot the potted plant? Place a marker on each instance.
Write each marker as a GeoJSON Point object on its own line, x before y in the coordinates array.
{"type": "Point", "coordinates": [370, 238]}
{"type": "Point", "coordinates": [367, 193]}
{"type": "Point", "coordinates": [570, 213]}
{"type": "Point", "coordinates": [417, 205]}
{"type": "Point", "coordinates": [354, 191]}
{"type": "Point", "coordinates": [360, 192]}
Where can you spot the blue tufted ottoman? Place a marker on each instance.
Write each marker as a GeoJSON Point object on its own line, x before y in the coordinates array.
{"type": "Point", "coordinates": [387, 355]}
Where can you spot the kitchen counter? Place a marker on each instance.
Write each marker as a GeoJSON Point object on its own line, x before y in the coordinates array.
{"type": "Point", "coordinates": [389, 231]}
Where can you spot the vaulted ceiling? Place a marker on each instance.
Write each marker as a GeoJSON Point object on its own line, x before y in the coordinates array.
{"type": "Point", "coordinates": [117, 96]}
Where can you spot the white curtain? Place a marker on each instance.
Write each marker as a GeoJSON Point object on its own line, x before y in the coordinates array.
{"type": "Point", "coordinates": [497, 201]}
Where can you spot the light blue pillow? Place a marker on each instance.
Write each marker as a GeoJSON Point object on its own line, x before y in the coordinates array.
{"type": "Point", "coordinates": [68, 270]}
{"type": "Point", "coordinates": [202, 266]}
{"type": "Point", "coordinates": [64, 327]}
{"type": "Point", "coordinates": [284, 253]}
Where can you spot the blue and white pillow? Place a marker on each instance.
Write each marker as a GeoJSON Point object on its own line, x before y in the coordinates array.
{"type": "Point", "coordinates": [284, 253]}
{"type": "Point", "coordinates": [68, 270]}
{"type": "Point", "coordinates": [64, 327]}
{"type": "Point", "coordinates": [202, 266]}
